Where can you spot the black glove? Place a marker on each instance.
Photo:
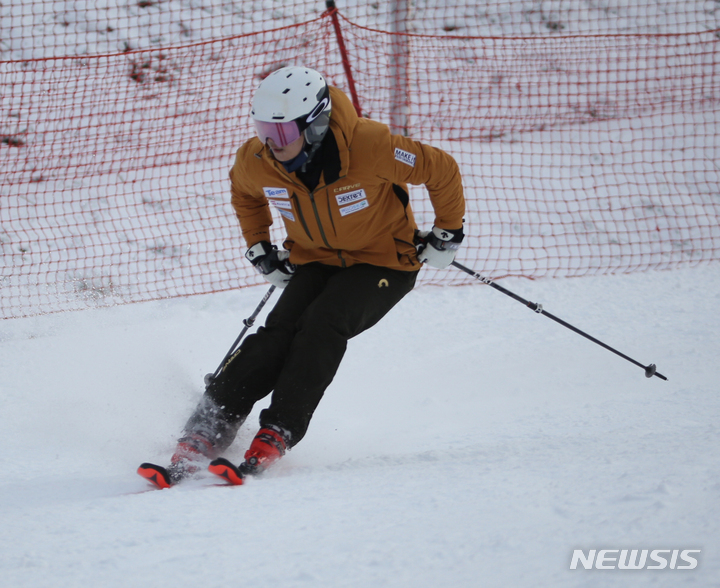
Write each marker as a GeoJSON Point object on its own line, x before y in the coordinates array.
{"type": "Point", "coordinates": [438, 247]}
{"type": "Point", "coordinates": [271, 263]}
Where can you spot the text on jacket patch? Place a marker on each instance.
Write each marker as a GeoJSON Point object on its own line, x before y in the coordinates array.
{"type": "Point", "coordinates": [276, 193]}
{"type": "Point", "coordinates": [284, 207]}
{"type": "Point", "coordinates": [287, 214]}
{"type": "Point", "coordinates": [346, 188]}
{"type": "Point", "coordinates": [405, 157]}
{"type": "Point", "coordinates": [350, 197]}
{"type": "Point", "coordinates": [286, 204]}
{"type": "Point", "coordinates": [354, 207]}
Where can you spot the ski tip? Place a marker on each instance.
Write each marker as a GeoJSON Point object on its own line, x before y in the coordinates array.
{"type": "Point", "coordinates": [222, 468]}
{"type": "Point", "coordinates": [155, 474]}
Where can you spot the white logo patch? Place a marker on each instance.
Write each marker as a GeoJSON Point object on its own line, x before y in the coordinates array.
{"type": "Point", "coordinates": [350, 197]}
{"type": "Point", "coordinates": [284, 204]}
{"type": "Point", "coordinates": [287, 214]}
{"type": "Point", "coordinates": [354, 207]}
{"type": "Point", "coordinates": [405, 157]}
{"type": "Point", "coordinates": [275, 193]}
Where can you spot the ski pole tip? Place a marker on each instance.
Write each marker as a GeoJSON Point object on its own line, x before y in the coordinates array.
{"type": "Point", "coordinates": [651, 371]}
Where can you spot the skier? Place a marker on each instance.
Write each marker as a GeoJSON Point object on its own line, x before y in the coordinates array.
{"type": "Point", "coordinates": [340, 184]}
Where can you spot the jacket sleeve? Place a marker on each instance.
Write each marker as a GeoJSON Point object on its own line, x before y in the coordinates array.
{"type": "Point", "coordinates": [250, 205]}
{"type": "Point", "coordinates": [402, 160]}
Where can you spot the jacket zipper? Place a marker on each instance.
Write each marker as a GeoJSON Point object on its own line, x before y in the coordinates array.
{"type": "Point", "coordinates": [317, 219]}
{"type": "Point", "coordinates": [302, 218]}
{"type": "Point", "coordinates": [322, 231]}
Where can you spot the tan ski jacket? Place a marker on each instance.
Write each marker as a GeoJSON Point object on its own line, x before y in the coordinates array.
{"type": "Point", "coordinates": [359, 212]}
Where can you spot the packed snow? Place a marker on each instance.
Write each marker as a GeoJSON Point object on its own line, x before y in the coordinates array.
{"type": "Point", "coordinates": [466, 441]}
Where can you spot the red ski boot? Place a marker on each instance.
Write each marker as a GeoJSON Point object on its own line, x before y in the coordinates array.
{"type": "Point", "coordinates": [191, 451]}
{"type": "Point", "coordinates": [268, 446]}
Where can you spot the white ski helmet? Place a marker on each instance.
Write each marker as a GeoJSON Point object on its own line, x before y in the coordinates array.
{"type": "Point", "coordinates": [289, 102]}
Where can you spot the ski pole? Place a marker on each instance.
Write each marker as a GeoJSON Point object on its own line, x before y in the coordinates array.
{"type": "Point", "coordinates": [248, 322]}
{"type": "Point", "coordinates": [650, 370]}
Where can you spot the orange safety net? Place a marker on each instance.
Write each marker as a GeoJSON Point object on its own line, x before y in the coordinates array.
{"type": "Point", "coordinates": [581, 154]}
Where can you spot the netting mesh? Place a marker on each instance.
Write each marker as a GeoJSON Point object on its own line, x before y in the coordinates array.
{"type": "Point", "coordinates": [581, 153]}
{"type": "Point", "coordinates": [38, 29]}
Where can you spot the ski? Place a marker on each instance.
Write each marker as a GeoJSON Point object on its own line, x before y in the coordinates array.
{"type": "Point", "coordinates": [224, 469]}
{"type": "Point", "coordinates": [156, 475]}
{"type": "Point", "coordinates": [166, 477]}
{"type": "Point", "coordinates": [161, 477]}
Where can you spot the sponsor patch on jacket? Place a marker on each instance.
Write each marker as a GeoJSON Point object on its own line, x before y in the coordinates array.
{"type": "Point", "coordinates": [281, 204]}
{"type": "Point", "coordinates": [354, 207]}
{"type": "Point", "coordinates": [405, 157]}
{"type": "Point", "coordinates": [276, 193]}
{"type": "Point", "coordinates": [350, 197]}
{"type": "Point", "coordinates": [287, 214]}
{"type": "Point", "coordinates": [284, 207]}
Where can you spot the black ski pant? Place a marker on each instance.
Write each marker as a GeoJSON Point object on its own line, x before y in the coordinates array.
{"type": "Point", "coordinates": [296, 354]}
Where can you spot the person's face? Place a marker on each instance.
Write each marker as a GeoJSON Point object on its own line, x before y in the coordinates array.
{"type": "Point", "coordinates": [290, 151]}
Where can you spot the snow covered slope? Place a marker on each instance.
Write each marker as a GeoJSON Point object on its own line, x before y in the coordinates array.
{"type": "Point", "coordinates": [466, 441]}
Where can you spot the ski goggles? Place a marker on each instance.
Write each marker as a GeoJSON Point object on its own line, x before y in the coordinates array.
{"type": "Point", "coordinates": [281, 133]}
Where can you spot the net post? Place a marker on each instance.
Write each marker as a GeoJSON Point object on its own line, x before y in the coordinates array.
{"type": "Point", "coordinates": [332, 11]}
{"type": "Point", "coordinates": [399, 62]}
